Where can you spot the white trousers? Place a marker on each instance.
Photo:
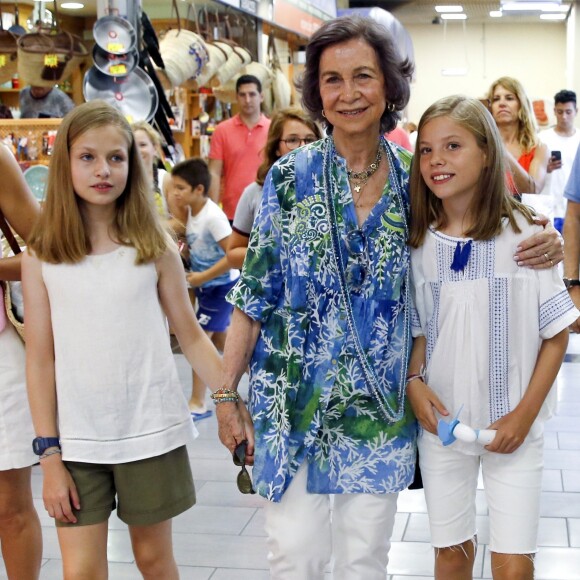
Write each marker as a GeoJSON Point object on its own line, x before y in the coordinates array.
{"type": "Point", "coordinates": [304, 532]}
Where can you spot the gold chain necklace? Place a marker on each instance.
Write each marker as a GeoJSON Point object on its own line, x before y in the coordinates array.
{"type": "Point", "coordinates": [365, 173]}
{"type": "Point", "coordinates": [361, 178]}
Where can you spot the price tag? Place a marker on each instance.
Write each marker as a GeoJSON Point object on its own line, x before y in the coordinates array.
{"type": "Point", "coordinates": [51, 60]}
{"type": "Point", "coordinates": [115, 47]}
{"type": "Point", "coordinates": [2, 60]}
{"type": "Point", "coordinates": [118, 69]}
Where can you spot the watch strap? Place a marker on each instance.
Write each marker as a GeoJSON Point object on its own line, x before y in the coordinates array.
{"type": "Point", "coordinates": [41, 444]}
{"type": "Point", "coordinates": [571, 282]}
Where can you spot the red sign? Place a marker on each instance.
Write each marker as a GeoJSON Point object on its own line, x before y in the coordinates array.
{"type": "Point", "coordinates": [292, 17]}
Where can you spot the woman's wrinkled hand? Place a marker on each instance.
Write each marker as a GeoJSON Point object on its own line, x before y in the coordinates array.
{"type": "Point", "coordinates": [59, 491]}
{"type": "Point", "coordinates": [542, 250]}
{"type": "Point", "coordinates": [234, 426]}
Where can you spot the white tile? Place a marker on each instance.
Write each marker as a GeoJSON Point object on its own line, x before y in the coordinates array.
{"type": "Point", "coordinates": [221, 551]}
{"type": "Point", "coordinates": [552, 480]}
{"type": "Point", "coordinates": [574, 530]}
{"type": "Point", "coordinates": [560, 505]}
{"type": "Point", "coordinates": [569, 440]}
{"type": "Point", "coordinates": [561, 459]}
{"type": "Point", "coordinates": [571, 480]}
{"type": "Point", "coordinates": [553, 532]}
{"type": "Point", "coordinates": [213, 520]}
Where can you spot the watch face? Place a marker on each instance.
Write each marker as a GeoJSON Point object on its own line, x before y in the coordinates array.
{"type": "Point", "coordinates": [41, 444]}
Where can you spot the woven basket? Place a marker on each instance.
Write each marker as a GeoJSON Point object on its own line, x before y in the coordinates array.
{"type": "Point", "coordinates": [45, 59]}
{"type": "Point", "coordinates": [8, 55]}
{"type": "Point", "coordinates": [10, 315]}
{"type": "Point", "coordinates": [217, 57]}
{"type": "Point", "coordinates": [239, 58]}
{"type": "Point", "coordinates": [184, 54]}
{"type": "Point", "coordinates": [227, 92]}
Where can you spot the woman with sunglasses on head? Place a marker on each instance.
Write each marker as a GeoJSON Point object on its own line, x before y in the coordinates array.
{"type": "Point", "coordinates": [289, 129]}
{"type": "Point", "coordinates": [526, 157]}
{"type": "Point", "coordinates": [322, 315]}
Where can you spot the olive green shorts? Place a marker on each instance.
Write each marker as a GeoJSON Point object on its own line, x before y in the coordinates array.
{"type": "Point", "coordinates": [145, 492]}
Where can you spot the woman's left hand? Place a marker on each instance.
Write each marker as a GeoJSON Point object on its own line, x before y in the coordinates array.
{"type": "Point", "coordinates": [542, 250]}
{"type": "Point", "coordinates": [234, 426]}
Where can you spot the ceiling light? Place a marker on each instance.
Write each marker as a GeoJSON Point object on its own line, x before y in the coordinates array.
{"type": "Point", "coordinates": [454, 16]}
{"type": "Point", "coordinates": [530, 6]}
{"type": "Point", "coordinates": [495, 14]}
{"type": "Point", "coordinates": [454, 8]}
{"type": "Point", "coordinates": [556, 16]}
{"type": "Point", "coordinates": [72, 5]}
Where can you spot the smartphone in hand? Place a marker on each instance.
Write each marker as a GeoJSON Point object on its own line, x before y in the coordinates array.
{"type": "Point", "coordinates": [556, 155]}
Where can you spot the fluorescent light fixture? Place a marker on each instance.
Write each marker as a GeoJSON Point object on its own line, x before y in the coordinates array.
{"type": "Point", "coordinates": [454, 72]}
{"type": "Point", "coordinates": [453, 8]}
{"type": "Point", "coordinates": [530, 6]}
{"type": "Point", "coordinates": [454, 16]}
{"type": "Point", "coordinates": [495, 14]}
{"type": "Point", "coordinates": [72, 5]}
{"type": "Point", "coordinates": [554, 16]}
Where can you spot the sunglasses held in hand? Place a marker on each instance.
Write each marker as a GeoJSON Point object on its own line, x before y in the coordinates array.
{"type": "Point", "coordinates": [244, 480]}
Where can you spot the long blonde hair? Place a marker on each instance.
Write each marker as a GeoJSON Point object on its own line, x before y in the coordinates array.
{"type": "Point", "coordinates": [492, 202]}
{"type": "Point", "coordinates": [61, 236]}
{"type": "Point", "coordinates": [527, 134]}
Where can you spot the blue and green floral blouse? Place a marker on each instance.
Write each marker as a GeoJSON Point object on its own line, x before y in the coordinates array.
{"type": "Point", "coordinates": [308, 398]}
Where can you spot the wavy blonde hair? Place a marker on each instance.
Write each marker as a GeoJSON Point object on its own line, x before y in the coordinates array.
{"type": "Point", "coordinates": [492, 202]}
{"type": "Point", "coordinates": [527, 133]}
{"type": "Point", "coordinates": [60, 235]}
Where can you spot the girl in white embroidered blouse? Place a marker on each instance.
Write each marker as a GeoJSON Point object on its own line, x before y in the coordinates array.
{"type": "Point", "coordinates": [489, 338]}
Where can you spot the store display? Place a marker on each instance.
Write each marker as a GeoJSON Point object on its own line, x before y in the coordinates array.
{"type": "Point", "coordinates": [36, 177]}
{"type": "Point", "coordinates": [134, 94]}
{"type": "Point", "coordinates": [115, 35]}
{"type": "Point", "coordinates": [115, 65]}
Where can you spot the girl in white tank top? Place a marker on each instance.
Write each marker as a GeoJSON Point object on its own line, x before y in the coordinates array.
{"type": "Point", "coordinates": [101, 279]}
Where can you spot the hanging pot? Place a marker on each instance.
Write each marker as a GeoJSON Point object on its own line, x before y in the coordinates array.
{"type": "Point", "coordinates": [115, 35]}
{"type": "Point", "coordinates": [134, 95]}
{"type": "Point", "coordinates": [115, 65]}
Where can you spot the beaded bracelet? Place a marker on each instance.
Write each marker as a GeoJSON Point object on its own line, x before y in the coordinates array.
{"type": "Point", "coordinates": [49, 453]}
{"type": "Point", "coordinates": [225, 395]}
{"type": "Point", "coordinates": [419, 375]}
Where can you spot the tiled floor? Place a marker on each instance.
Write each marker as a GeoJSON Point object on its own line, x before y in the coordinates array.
{"type": "Point", "coordinates": [222, 537]}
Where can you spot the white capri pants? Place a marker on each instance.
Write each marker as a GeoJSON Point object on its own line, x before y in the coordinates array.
{"type": "Point", "coordinates": [512, 484]}
{"type": "Point", "coordinates": [302, 535]}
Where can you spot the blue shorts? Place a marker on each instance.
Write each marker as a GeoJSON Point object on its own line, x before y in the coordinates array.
{"type": "Point", "coordinates": [214, 312]}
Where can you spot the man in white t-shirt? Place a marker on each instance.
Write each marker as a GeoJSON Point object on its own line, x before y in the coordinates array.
{"type": "Point", "coordinates": [563, 138]}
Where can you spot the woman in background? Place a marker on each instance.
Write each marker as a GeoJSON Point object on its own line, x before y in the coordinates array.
{"type": "Point", "coordinates": [149, 146]}
{"type": "Point", "coordinates": [290, 128]}
{"type": "Point", "coordinates": [526, 156]}
{"type": "Point", "coordinates": [20, 533]}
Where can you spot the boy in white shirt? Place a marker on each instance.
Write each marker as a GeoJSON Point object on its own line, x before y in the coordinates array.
{"type": "Point", "coordinates": [207, 231]}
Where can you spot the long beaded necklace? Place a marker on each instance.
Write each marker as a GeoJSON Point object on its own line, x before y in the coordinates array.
{"type": "Point", "coordinates": [360, 178]}
{"type": "Point", "coordinates": [380, 389]}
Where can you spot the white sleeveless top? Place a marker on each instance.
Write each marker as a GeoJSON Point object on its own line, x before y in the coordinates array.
{"type": "Point", "coordinates": [119, 394]}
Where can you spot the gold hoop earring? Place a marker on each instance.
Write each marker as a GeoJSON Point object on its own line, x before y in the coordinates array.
{"type": "Point", "coordinates": [391, 107]}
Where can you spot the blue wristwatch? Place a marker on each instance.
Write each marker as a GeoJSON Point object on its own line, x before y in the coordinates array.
{"type": "Point", "coordinates": [41, 444]}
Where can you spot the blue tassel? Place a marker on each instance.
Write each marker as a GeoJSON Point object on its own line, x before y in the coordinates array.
{"type": "Point", "coordinates": [461, 256]}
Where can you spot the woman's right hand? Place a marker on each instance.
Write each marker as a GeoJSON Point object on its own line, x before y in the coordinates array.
{"type": "Point", "coordinates": [425, 402]}
{"type": "Point", "coordinates": [234, 426]}
{"type": "Point", "coordinates": [59, 491]}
